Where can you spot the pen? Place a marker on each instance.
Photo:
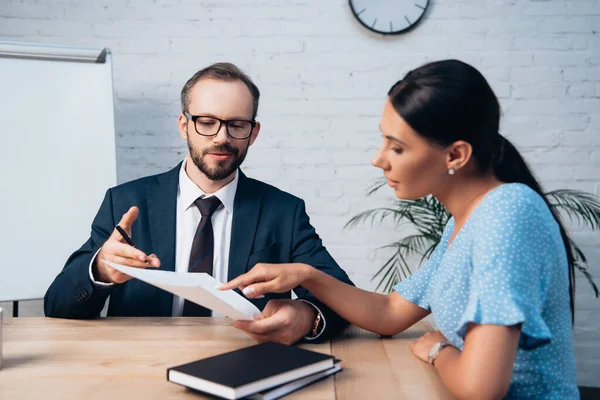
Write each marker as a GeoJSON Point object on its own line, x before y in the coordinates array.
{"type": "Point", "coordinates": [126, 237]}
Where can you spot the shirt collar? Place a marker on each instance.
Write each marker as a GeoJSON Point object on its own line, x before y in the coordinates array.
{"type": "Point", "coordinates": [189, 191]}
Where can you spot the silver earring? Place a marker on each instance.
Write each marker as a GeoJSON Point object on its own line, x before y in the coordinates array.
{"type": "Point", "coordinates": [451, 171]}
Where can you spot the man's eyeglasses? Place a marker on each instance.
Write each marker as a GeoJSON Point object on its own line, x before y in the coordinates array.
{"type": "Point", "coordinates": [210, 126]}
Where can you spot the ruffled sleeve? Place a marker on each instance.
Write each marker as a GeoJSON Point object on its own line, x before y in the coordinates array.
{"type": "Point", "coordinates": [510, 273]}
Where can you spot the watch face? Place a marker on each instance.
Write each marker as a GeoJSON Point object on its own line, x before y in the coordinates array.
{"type": "Point", "coordinates": [389, 17]}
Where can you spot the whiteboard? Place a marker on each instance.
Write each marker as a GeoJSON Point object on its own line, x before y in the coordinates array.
{"type": "Point", "coordinates": [57, 158]}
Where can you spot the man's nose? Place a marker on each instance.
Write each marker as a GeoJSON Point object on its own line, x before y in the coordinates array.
{"type": "Point", "coordinates": [222, 135]}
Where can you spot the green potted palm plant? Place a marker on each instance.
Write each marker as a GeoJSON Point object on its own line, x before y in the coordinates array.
{"type": "Point", "coordinates": [428, 217]}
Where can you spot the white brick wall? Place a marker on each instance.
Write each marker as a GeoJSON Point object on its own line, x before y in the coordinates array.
{"type": "Point", "coordinates": [324, 78]}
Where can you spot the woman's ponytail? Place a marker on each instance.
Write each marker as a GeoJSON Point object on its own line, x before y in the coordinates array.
{"type": "Point", "coordinates": [509, 166]}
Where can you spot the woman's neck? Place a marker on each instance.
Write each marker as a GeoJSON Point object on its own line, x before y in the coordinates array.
{"type": "Point", "coordinates": [463, 195]}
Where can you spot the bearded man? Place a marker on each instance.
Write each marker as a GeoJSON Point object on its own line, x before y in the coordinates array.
{"type": "Point", "coordinates": [204, 215]}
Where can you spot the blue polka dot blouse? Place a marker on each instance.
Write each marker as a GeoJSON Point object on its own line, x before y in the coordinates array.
{"type": "Point", "coordinates": [506, 266]}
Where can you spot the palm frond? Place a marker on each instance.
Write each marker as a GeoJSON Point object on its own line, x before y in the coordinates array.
{"type": "Point", "coordinates": [408, 247]}
{"type": "Point", "coordinates": [396, 267]}
{"type": "Point", "coordinates": [372, 215]}
{"type": "Point", "coordinates": [579, 206]}
{"type": "Point", "coordinates": [428, 252]}
{"type": "Point", "coordinates": [577, 253]}
{"type": "Point", "coordinates": [376, 186]}
{"type": "Point", "coordinates": [583, 269]}
{"type": "Point", "coordinates": [391, 273]}
{"type": "Point", "coordinates": [427, 215]}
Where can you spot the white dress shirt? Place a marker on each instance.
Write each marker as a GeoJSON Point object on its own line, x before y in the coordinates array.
{"type": "Point", "coordinates": [188, 218]}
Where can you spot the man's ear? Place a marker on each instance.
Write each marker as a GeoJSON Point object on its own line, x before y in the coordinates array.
{"type": "Point", "coordinates": [459, 154]}
{"type": "Point", "coordinates": [254, 134]}
{"type": "Point", "coordinates": [182, 122]}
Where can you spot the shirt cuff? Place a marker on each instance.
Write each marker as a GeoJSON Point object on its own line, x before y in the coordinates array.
{"type": "Point", "coordinates": [322, 319]}
{"type": "Point", "coordinates": [95, 282]}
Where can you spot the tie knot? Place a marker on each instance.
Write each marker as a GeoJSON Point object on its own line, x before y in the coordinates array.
{"type": "Point", "coordinates": [207, 205]}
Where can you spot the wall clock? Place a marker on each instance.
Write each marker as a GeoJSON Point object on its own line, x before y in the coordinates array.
{"type": "Point", "coordinates": [389, 17]}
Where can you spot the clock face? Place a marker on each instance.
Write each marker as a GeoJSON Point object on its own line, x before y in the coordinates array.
{"type": "Point", "coordinates": [389, 17]}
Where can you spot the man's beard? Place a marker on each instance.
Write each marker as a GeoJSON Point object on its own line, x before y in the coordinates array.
{"type": "Point", "coordinates": [223, 168]}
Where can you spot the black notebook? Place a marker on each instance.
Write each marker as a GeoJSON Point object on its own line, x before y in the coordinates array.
{"type": "Point", "coordinates": [250, 370]}
{"type": "Point", "coordinates": [287, 388]}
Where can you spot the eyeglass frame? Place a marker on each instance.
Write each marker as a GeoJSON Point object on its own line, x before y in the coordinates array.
{"type": "Point", "coordinates": [193, 118]}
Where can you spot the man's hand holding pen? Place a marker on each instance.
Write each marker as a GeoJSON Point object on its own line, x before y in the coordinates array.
{"type": "Point", "coordinates": [120, 249]}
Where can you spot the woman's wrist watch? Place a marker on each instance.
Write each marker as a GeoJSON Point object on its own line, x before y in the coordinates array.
{"type": "Point", "coordinates": [436, 349]}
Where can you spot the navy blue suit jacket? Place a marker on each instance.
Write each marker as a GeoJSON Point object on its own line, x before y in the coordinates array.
{"type": "Point", "coordinates": [268, 226]}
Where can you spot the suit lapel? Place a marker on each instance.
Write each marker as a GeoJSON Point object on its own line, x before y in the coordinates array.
{"type": "Point", "coordinates": [246, 209]}
{"type": "Point", "coordinates": [162, 217]}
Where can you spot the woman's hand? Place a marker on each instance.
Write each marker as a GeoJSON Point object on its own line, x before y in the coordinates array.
{"type": "Point", "coordinates": [423, 345]}
{"type": "Point", "coordinates": [269, 278]}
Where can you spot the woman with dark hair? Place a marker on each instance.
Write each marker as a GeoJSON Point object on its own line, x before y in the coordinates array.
{"type": "Point", "coordinates": [499, 283]}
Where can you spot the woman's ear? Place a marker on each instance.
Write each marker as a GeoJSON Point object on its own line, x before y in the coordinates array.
{"type": "Point", "coordinates": [459, 154]}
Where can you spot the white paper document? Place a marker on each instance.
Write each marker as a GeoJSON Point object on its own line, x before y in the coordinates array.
{"type": "Point", "coordinates": [195, 287]}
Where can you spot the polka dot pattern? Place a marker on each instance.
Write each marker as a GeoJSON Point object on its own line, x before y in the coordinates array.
{"type": "Point", "coordinates": [506, 266]}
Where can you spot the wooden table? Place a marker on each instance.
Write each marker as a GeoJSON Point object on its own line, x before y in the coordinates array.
{"type": "Point", "coordinates": [127, 358]}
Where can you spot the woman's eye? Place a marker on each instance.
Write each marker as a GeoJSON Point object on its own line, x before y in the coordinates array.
{"type": "Point", "coordinates": [397, 151]}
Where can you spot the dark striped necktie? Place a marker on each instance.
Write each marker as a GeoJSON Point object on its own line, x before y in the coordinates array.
{"type": "Point", "coordinates": [201, 256]}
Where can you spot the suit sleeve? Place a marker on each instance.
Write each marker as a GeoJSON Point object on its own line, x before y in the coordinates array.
{"type": "Point", "coordinates": [73, 294]}
{"type": "Point", "coordinates": [307, 248]}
